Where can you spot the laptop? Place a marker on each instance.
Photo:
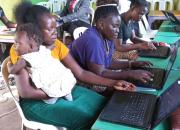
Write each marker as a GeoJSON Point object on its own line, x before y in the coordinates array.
{"type": "Point", "coordinates": [160, 52]}
{"type": "Point", "coordinates": [171, 17]}
{"type": "Point", "coordinates": [160, 75]}
{"type": "Point", "coordinates": [140, 109]}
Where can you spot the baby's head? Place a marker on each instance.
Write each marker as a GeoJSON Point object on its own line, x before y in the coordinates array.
{"type": "Point", "coordinates": [28, 38]}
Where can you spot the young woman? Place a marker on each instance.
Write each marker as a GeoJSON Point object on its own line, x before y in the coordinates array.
{"type": "Point", "coordinates": [94, 49]}
{"type": "Point", "coordinates": [86, 105]}
{"type": "Point", "coordinates": [138, 8]}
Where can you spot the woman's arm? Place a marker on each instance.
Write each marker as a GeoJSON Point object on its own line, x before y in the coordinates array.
{"type": "Point", "coordinates": [91, 78]}
{"type": "Point", "coordinates": [142, 44]}
{"type": "Point", "coordinates": [125, 47]}
{"type": "Point", "coordinates": [26, 89]}
{"type": "Point", "coordinates": [8, 23]}
{"type": "Point", "coordinates": [85, 76]}
{"type": "Point", "coordinates": [140, 75]}
{"type": "Point", "coordinates": [15, 68]}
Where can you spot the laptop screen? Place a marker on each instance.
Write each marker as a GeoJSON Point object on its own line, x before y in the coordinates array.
{"type": "Point", "coordinates": [170, 16]}
{"type": "Point", "coordinates": [172, 59]}
{"type": "Point", "coordinates": [168, 102]}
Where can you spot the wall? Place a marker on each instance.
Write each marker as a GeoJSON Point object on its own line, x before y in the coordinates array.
{"type": "Point", "coordinates": [8, 6]}
{"type": "Point", "coordinates": [37, 1]}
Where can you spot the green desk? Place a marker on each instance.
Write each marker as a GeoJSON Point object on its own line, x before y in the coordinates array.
{"type": "Point", "coordinates": [165, 125]}
{"type": "Point", "coordinates": [173, 76]}
{"type": "Point", "coordinates": [167, 28]}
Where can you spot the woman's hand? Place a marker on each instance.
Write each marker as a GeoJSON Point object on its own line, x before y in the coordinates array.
{"type": "Point", "coordinates": [136, 64]}
{"type": "Point", "coordinates": [140, 75]}
{"type": "Point", "coordinates": [123, 85]}
{"type": "Point", "coordinates": [146, 46]}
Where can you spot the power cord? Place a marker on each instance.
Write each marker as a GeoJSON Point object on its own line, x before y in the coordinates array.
{"type": "Point", "coordinates": [7, 113]}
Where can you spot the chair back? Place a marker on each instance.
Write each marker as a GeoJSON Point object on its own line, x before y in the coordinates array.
{"type": "Point", "coordinates": [58, 5]}
{"type": "Point", "coordinates": [142, 29]}
{"type": "Point", "coordinates": [79, 31]}
{"type": "Point", "coordinates": [146, 24]}
{"type": "Point", "coordinates": [25, 123]}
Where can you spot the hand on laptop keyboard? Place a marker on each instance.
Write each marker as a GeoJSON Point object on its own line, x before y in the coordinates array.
{"type": "Point", "coordinates": [163, 44]}
{"type": "Point", "coordinates": [146, 46]}
{"type": "Point", "coordinates": [138, 64]}
{"type": "Point", "coordinates": [123, 85]}
{"type": "Point", "coordinates": [141, 75]}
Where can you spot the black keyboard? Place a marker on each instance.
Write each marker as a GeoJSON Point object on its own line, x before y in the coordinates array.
{"type": "Point", "coordinates": [160, 52]}
{"type": "Point", "coordinates": [158, 78]}
{"type": "Point", "coordinates": [134, 108]}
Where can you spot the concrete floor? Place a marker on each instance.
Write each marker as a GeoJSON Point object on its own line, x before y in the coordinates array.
{"type": "Point", "coordinates": [9, 116]}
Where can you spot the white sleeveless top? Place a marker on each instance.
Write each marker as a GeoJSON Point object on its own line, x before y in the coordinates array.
{"type": "Point", "coordinates": [49, 73]}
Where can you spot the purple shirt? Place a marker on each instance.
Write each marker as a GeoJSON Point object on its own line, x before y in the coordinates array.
{"type": "Point", "coordinates": [90, 47]}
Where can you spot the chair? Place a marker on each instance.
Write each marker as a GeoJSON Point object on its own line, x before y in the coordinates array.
{"type": "Point", "coordinates": [25, 123]}
{"type": "Point", "coordinates": [48, 5]}
{"type": "Point", "coordinates": [91, 17]}
{"type": "Point", "coordinates": [79, 31]}
{"type": "Point", "coordinates": [58, 5]}
{"type": "Point", "coordinates": [163, 4]}
{"type": "Point", "coordinates": [145, 30]}
{"type": "Point", "coordinates": [125, 5]}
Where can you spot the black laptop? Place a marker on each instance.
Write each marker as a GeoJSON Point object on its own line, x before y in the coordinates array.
{"type": "Point", "coordinates": [160, 75]}
{"type": "Point", "coordinates": [171, 17]}
{"type": "Point", "coordinates": [160, 52]}
{"type": "Point", "coordinates": [141, 110]}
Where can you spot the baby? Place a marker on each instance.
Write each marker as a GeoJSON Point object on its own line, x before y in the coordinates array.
{"type": "Point", "coordinates": [46, 72]}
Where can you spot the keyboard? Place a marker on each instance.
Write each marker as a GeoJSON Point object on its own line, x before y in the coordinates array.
{"type": "Point", "coordinates": [133, 108]}
{"type": "Point", "coordinates": [158, 78]}
{"type": "Point", "coordinates": [160, 52]}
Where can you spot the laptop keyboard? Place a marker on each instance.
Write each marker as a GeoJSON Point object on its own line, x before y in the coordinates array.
{"type": "Point", "coordinates": [161, 52]}
{"type": "Point", "coordinates": [134, 108]}
{"type": "Point", "coordinates": [129, 108]}
{"type": "Point", "coordinates": [158, 78]}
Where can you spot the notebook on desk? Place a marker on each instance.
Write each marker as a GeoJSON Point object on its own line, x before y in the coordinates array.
{"type": "Point", "coordinates": [141, 110]}
{"type": "Point", "coordinates": [160, 75]}
{"type": "Point", "coordinates": [160, 52]}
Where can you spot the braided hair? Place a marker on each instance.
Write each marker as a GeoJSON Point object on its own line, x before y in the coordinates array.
{"type": "Point", "coordinates": [104, 11]}
{"type": "Point", "coordinates": [135, 3]}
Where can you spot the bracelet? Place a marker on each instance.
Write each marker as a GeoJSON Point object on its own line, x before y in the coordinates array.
{"type": "Point", "coordinates": [149, 43]}
{"type": "Point", "coordinates": [130, 64]}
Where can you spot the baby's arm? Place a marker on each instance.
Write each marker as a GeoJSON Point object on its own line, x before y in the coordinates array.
{"type": "Point", "coordinates": [14, 69]}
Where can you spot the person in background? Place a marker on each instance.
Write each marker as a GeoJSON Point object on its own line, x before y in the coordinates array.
{"type": "Point", "coordinates": [78, 114]}
{"type": "Point", "coordinates": [8, 24]}
{"type": "Point", "coordinates": [75, 14]}
{"type": "Point", "coordinates": [138, 8]}
{"type": "Point", "coordinates": [5, 20]}
{"type": "Point", "coordinates": [94, 49]}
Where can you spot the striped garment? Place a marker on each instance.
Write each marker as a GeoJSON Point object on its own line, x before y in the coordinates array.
{"type": "Point", "coordinates": [73, 5]}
